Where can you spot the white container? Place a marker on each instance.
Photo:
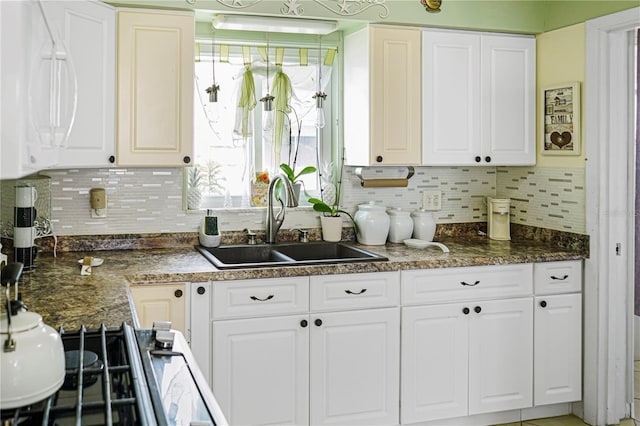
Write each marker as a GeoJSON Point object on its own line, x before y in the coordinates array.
{"type": "Point", "coordinates": [424, 226]}
{"type": "Point", "coordinates": [401, 225]}
{"type": "Point", "coordinates": [373, 224]}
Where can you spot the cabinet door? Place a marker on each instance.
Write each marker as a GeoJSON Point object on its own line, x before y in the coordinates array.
{"type": "Point", "coordinates": [500, 355]}
{"type": "Point", "coordinates": [558, 349]}
{"type": "Point", "coordinates": [451, 98]}
{"type": "Point", "coordinates": [395, 103]}
{"type": "Point", "coordinates": [434, 362]}
{"type": "Point", "coordinates": [261, 370]}
{"type": "Point", "coordinates": [155, 88]}
{"type": "Point", "coordinates": [355, 365]}
{"type": "Point", "coordinates": [200, 326]}
{"type": "Point", "coordinates": [89, 32]}
{"type": "Point", "coordinates": [161, 303]}
{"type": "Point", "coordinates": [508, 99]}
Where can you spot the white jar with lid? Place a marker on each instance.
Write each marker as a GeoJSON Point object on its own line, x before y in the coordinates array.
{"type": "Point", "coordinates": [424, 226]}
{"type": "Point", "coordinates": [401, 225]}
{"type": "Point", "coordinates": [373, 224]}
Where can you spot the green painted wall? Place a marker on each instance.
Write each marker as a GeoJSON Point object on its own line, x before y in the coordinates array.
{"type": "Point", "coordinates": [515, 16]}
{"type": "Point", "coordinates": [562, 13]}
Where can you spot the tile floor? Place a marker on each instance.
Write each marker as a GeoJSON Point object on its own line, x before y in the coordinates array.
{"type": "Point", "coordinates": [575, 421]}
{"type": "Point", "coordinates": [563, 421]}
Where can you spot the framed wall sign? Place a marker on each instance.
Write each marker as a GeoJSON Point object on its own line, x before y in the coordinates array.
{"type": "Point", "coordinates": [561, 124]}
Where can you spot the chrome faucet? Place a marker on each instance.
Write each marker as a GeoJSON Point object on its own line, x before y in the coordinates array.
{"type": "Point", "coordinates": [273, 223]}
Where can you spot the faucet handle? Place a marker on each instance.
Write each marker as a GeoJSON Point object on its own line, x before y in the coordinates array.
{"type": "Point", "coordinates": [251, 236]}
{"type": "Point", "coordinates": [304, 235]}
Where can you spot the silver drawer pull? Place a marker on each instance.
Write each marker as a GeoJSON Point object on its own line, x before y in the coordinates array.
{"type": "Point", "coordinates": [351, 292]}
{"type": "Point", "coordinates": [269, 297]}
{"type": "Point", "coordinates": [559, 279]}
{"type": "Point", "coordinates": [470, 285]}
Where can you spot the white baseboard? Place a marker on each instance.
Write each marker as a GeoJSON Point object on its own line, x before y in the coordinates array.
{"type": "Point", "coordinates": [636, 334]}
{"type": "Point", "coordinates": [503, 416]}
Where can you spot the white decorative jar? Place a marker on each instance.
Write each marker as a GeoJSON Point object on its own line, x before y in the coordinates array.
{"type": "Point", "coordinates": [373, 224]}
{"type": "Point", "coordinates": [401, 225]}
{"type": "Point", "coordinates": [424, 226]}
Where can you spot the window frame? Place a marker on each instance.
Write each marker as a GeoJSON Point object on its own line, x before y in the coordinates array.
{"type": "Point", "coordinates": [331, 134]}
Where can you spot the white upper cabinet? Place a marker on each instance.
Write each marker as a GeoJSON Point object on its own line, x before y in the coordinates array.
{"type": "Point", "coordinates": [382, 96]}
{"type": "Point", "coordinates": [478, 98]}
{"type": "Point", "coordinates": [155, 88]}
{"type": "Point", "coordinates": [88, 29]}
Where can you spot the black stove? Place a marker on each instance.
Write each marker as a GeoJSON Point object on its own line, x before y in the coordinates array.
{"type": "Point", "coordinates": [121, 376]}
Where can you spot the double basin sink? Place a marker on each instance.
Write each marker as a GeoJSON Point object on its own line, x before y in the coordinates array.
{"type": "Point", "coordinates": [285, 254]}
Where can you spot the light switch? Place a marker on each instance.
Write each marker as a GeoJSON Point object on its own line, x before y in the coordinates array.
{"type": "Point", "coordinates": [432, 200]}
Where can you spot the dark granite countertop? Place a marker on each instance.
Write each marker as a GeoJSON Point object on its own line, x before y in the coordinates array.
{"type": "Point", "coordinates": [64, 298]}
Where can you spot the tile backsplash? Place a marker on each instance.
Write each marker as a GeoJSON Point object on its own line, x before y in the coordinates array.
{"type": "Point", "coordinates": [144, 200]}
{"type": "Point", "coordinates": [544, 197]}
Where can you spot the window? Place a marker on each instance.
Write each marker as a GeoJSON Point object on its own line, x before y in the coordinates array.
{"type": "Point", "coordinates": [231, 144]}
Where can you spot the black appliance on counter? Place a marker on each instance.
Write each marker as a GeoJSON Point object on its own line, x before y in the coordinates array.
{"type": "Point", "coordinates": [122, 376]}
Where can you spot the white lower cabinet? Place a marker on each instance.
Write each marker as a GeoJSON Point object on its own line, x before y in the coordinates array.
{"type": "Point", "coordinates": [558, 332]}
{"type": "Point", "coordinates": [334, 368]}
{"type": "Point", "coordinates": [354, 369]}
{"type": "Point", "coordinates": [352, 350]}
{"type": "Point", "coordinates": [558, 349]}
{"type": "Point", "coordinates": [288, 364]}
{"type": "Point", "coordinates": [466, 358]}
{"type": "Point", "coordinates": [261, 370]}
{"type": "Point", "coordinates": [435, 347]}
{"type": "Point", "coordinates": [500, 355]}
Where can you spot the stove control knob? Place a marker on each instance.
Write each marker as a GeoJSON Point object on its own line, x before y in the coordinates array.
{"type": "Point", "coordinates": [160, 326]}
{"type": "Point", "coordinates": [164, 339]}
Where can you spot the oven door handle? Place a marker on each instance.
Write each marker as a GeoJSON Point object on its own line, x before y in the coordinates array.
{"type": "Point", "coordinates": [162, 352]}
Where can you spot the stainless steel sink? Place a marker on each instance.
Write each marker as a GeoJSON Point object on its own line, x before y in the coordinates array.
{"type": "Point", "coordinates": [269, 255]}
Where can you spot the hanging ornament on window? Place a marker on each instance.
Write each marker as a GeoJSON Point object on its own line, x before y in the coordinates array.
{"type": "Point", "coordinates": [213, 90]}
{"type": "Point", "coordinates": [267, 108]}
{"type": "Point", "coordinates": [320, 96]}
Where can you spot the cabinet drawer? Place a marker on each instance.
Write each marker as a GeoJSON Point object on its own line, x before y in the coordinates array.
{"type": "Point", "coordinates": [249, 298]}
{"type": "Point", "coordinates": [558, 277]}
{"type": "Point", "coordinates": [354, 291]}
{"type": "Point", "coordinates": [472, 282]}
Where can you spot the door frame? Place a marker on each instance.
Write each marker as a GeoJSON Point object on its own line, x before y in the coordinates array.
{"type": "Point", "coordinates": [608, 329]}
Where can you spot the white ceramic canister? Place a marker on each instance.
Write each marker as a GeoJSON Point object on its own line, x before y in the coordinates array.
{"type": "Point", "coordinates": [373, 224]}
{"type": "Point", "coordinates": [424, 226]}
{"type": "Point", "coordinates": [401, 226]}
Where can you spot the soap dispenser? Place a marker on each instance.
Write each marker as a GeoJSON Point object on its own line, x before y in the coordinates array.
{"type": "Point", "coordinates": [209, 235]}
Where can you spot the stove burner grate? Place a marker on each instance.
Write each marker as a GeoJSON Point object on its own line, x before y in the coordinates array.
{"type": "Point", "coordinates": [104, 384]}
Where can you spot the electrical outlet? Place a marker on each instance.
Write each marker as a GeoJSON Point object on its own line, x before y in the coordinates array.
{"type": "Point", "coordinates": [432, 200]}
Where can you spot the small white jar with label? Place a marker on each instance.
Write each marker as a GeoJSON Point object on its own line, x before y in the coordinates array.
{"type": "Point", "coordinates": [401, 226]}
{"type": "Point", "coordinates": [424, 226]}
{"type": "Point", "coordinates": [373, 224]}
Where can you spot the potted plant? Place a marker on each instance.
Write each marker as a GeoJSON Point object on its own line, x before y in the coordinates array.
{"type": "Point", "coordinates": [289, 168]}
{"type": "Point", "coordinates": [290, 173]}
{"type": "Point", "coordinates": [328, 205]}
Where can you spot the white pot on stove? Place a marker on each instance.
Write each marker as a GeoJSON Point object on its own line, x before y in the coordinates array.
{"type": "Point", "coordinates": [35, 368]}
